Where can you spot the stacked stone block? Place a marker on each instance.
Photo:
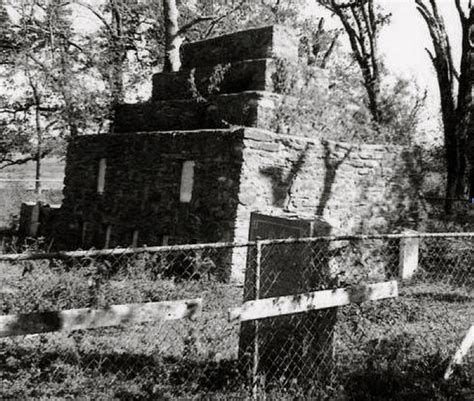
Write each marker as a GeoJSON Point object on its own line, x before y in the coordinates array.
{"type": "Point", "coordinates": [224, 81]}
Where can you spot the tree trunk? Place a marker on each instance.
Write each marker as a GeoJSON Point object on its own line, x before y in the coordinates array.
{"type": "Point", "coordinates": [452, 175]}
{"type": "Point", "coordinates": [454, 109]}
{"type": "Point", "coordinates": [39, 139]}
{"type": "Point", "coordinates": [361, 24]}
{"type": "Point", "coordinates": [172, 39]}
{"type": "Point", "coordinates": [471, 184]}
{"type": "Point", "coordinates": [470, 129]}
{"type": "Point", "coordinates": [462, 111]}
{"type": "Point", "coordinates": [66, 94]}
{"type": "Point", "coordinates": [451, 147]}
{"type": "Point", "coordinates": [119, 56]}
{"type": "Point", "coordinates": [373, 92]}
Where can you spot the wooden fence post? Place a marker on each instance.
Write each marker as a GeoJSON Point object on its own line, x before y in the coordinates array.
{"type": "Point", "coordinates": [409, 250]}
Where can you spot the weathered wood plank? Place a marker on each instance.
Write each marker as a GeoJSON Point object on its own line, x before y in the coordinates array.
{"type": "Point", "coordinates": [81, 319]}
{"type": "Point", "coordinates": [287, 305]}
{"type": "Point", "coordinates": [462, 351]}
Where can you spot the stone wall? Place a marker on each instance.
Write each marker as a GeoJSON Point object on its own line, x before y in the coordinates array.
{"type": "Point", "coordinates": [142, 189]}
{"type": "Point", "coordinates": [250, 109]}
{"type": "Point", "coordinates": [358, 188]}
{"type": "Point", "coordinates": [236, 77]}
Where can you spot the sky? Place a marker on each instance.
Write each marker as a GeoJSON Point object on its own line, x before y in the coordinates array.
{"type": "Point", "coordinates": [405, 39]}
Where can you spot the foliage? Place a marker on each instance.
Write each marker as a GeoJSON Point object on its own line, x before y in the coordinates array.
{"type": "Point", "coordinates": [125, 48]}
{"type": "Point", "coordinates": [70, 78]}
{"type": "Point", "coordinates": [234, 16]}
{"type": "Point", "coordinates": [325, 103]}
{"type": "Point", "coordinates": [39, 107]}
{"type": "Point", "coordinates": [362, 20]}
{"type": "Point", "coordinates": [6, 41]}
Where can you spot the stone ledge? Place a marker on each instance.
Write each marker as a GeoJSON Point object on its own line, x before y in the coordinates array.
{"type": "Point", "coordinates": [237, 131]}
{"type": "Point", "coordinates": [268, 42]}
{"type": "Point", "coordinates": [131, 137]}
{"type": "Point", "coordinates": [241, 76]}
{"type": "Point", "coordinates": [248, 109]}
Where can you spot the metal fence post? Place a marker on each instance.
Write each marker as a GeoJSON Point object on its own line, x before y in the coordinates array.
{"type": "Point", "coordinates": [256, 337]}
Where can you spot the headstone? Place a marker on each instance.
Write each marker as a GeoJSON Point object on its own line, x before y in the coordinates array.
{"type": "Point", "coordinates": [297, 347]}
{"type": "Point", "coordinates": [37, 219]}
{"type": "Point", "coordinates": [29, 216]}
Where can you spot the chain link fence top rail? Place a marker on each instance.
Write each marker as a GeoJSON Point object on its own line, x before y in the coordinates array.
{"type": "Point", "coordinates": [397, 348]}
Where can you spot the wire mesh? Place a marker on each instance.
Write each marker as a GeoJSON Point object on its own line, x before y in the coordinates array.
{"type": "Point", "coordinates": [396, 347]}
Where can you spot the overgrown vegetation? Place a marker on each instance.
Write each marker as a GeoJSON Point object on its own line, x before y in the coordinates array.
{"type": "Point", "coordinates": [394, 349]}
{"type": "Point", "coordinates": [325, 103]}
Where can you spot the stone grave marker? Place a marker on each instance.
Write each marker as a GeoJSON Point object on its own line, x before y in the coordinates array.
{"type": "Point", "coordinates": [295, 347]}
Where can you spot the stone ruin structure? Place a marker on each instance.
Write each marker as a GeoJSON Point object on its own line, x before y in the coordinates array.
{"type": "Point", "coordinates": [192, 163]}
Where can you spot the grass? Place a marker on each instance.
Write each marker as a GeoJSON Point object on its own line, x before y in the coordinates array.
{"type": "Point", "coordinates": [387, 350]}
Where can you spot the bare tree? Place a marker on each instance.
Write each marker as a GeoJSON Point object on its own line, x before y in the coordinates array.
{"type": "Point", "coordinates": [362, 21]}
{"type": "Point", "coordinates": [454, 88]}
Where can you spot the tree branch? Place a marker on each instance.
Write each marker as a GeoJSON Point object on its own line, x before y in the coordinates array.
{"type": "Point", "coordinates": [329, 51]}
{"type": "Point", "coordinates": [462, 16]}
{"type": "Point", "coordinates": [97, 14]}
{"type": "Point", "coordinates": [352, 35]}
{"type": "Point", "coordinates": [371, 27]}
{"type": "Point", "coordinates": [360, 35]}
{"type": "Point", "coordinates": [432, 57]}
{"type": "Point", "coordinates": [189, 25]}
{"type": "Point", "coordinates": [10, 161]}
{"type": "Point", "coordinates": [213, 23]}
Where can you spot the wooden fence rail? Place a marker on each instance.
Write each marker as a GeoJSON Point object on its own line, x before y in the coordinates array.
{"type": "Point", "coordinates": [287, 305]}
{"type": "Point", "coordinates": [81, 319]}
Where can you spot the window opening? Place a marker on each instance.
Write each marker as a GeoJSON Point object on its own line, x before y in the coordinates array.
{"type": "Point", "coordinates": [187, 182]}
{"type": "Point", "coordinates": [101, 176]}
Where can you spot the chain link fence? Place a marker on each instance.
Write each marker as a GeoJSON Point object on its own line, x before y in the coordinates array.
{"type": "Point", "coordinates": [379, 349]}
